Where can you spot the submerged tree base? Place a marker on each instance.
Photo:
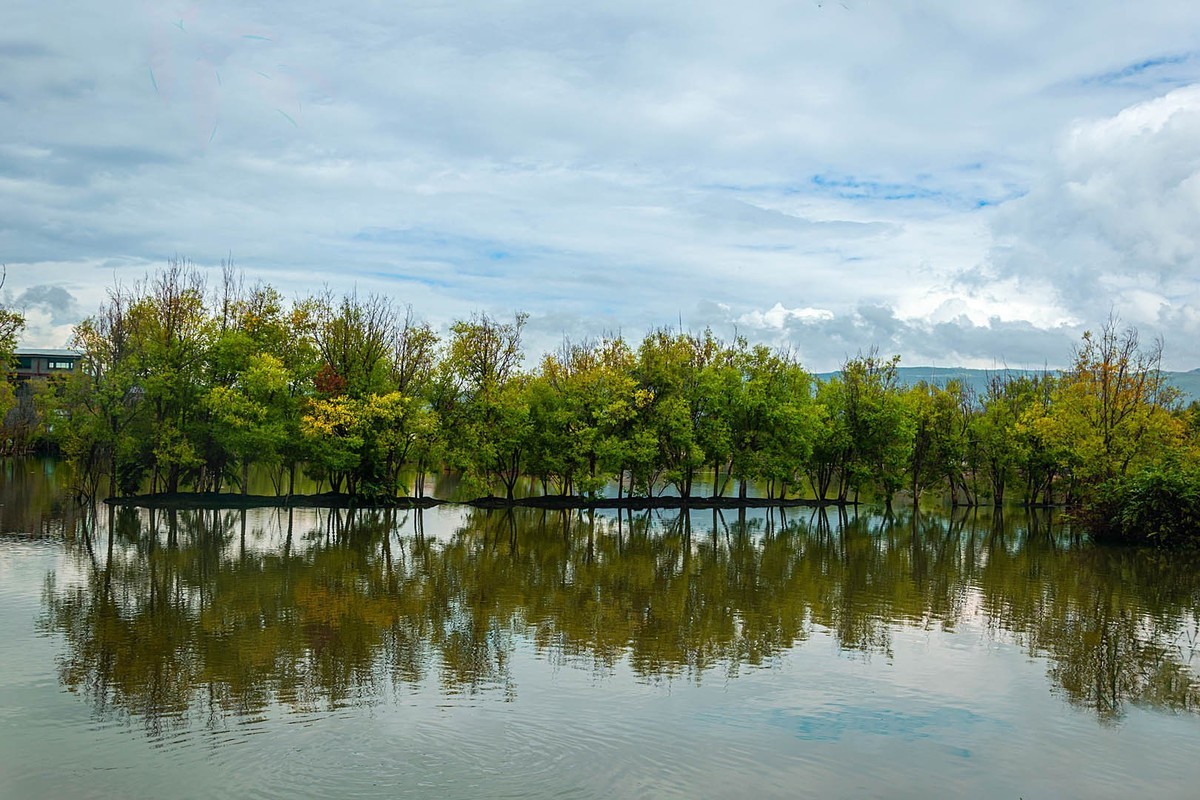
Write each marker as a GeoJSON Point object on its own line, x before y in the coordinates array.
{"type": "Point", "coordinates": [336, 500]}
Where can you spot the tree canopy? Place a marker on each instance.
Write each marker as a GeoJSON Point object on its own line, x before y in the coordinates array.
{"type": "Point", "coordinates": [184, 387]}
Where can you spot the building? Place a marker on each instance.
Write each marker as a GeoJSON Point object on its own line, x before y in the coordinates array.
{"type": "Point", "coordinates": [42, 363]}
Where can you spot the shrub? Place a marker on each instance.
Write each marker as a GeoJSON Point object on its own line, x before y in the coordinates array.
{"type": "Point", "coordinates": [1158, 505]}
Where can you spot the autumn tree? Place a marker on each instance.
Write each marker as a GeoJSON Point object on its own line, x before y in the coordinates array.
{"type": "Point", "coordinates": [1114, 404]}
{"type": "Point", "coordinates": [105, 398]}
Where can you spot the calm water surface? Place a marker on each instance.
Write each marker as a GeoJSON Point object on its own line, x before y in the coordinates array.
{"type": "Point", "coordinates": [460, 653]}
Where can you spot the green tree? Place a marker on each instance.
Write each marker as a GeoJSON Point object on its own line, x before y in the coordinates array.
{"type": "Point", "coordinates": [333, 433]}
{"type": "Point", "coordinates": [773, 420]}
{"type": "Point", "coordinates": [832, 444]}
{"type": "Point", "coordinates": [11, 325]}
{"type": "Point", "coordinates": [108, 419]}
{"type": "Point", "coordinates": [355, 338]}
{"type": "Point", "coordinates": [880, 432]}
{"type": "Point", "coordinates": [172, 332]}
{"type": "Point", "coordinates": [670, 369]}
{"type": "Point", "coordinates": [250, 419]}
{"type": "Point", "coordinates": [482, 406]}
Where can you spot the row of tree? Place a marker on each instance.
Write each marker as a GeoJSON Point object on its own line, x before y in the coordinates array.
{"type": "Point", "coordinates": [187, 388]}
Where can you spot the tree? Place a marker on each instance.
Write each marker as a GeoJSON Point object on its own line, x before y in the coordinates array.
{"type": "Point", "coordinates": [333, 432]}
{"type": "Point", "coordinates": [250, 418]}
{"type": "Point", "coordinates": [481, 400]}
{"type": "Point", "coordinates": [105, 398]}
{"type": "Point", "coordinates": [260, 342]}
{"type": "Point", "coordinates": [771, 419]}
{"type": "Point", "coordinates": [994, 430]}
{"type": "Point", "coordinates": [172, 332]}
{"type": "Point", "coordinates": [938, 444]}
{"type": "Point", "coordinates": [880, 432]}
{"type": "Point", "coordinates": [1116, 404]}
{"type": "Point", "coordinates": [670, 369]}
{"type": "Point", "coordinates": [11, 325]}
{"type": "Point", "coordinates": [354, 339]}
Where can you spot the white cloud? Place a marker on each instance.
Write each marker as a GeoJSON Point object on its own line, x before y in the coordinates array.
{"type": "Point", "coordinates": [777, 316]}
{"type": "Point", "coordinates": [1112, 224]}
{"type": "Point", "coordinates": [620, 165]}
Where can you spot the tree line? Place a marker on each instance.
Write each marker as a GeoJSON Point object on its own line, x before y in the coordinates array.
{"type": "Point", "coordinates": [187, 387]}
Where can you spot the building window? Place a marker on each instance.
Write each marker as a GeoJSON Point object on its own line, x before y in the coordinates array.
{"type": "Point", "coordinates": [58, 365]}
{"type": "Point", "coordinates": [24, 362]}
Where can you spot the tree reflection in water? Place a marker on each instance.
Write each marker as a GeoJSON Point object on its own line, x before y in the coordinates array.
{"type": "Point", "coordinates": [186, 617]}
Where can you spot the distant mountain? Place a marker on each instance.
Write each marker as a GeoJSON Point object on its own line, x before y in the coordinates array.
{"type": "Point", "coordinates": [1188, 383]}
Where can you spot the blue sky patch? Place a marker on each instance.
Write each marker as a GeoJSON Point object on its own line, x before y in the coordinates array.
{"type": "Point", "coordinates": [1141, 70]}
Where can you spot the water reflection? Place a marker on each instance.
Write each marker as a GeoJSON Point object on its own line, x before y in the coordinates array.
{"type": "Point", "coordinates": [191, 617]}
{"type": "Point", "coordinates": [35, 498]}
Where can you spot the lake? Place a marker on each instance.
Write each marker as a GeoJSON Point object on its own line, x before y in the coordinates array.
{"type": "Point", "coordinates": [457, 652]}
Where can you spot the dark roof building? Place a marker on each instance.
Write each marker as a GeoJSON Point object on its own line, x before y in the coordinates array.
{"type": "Point", "coordinates": [41, 362]}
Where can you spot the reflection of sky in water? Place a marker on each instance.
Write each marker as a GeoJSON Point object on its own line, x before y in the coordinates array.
{"type": "Point", "coordinates": [941, 725]}
{"type": "Point", "coordinates": [533, 654]}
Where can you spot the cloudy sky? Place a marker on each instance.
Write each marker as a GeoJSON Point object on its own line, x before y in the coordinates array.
{"type": "Point", "coordinates": [961, 183]}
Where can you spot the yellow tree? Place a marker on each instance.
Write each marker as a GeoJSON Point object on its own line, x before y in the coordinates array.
{"type": "Point", "coordinates": [1114, 403]}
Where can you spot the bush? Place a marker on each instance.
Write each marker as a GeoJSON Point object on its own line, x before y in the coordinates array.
{"type": "Point", "coordinates": [1159, 505]}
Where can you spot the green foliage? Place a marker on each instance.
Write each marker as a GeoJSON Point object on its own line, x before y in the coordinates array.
{"type": "Point", "coordinates": [180, 388]}
{"type": "Point", "coordinates": [483, 402]}
{"type": "Point", "coordinates": [939, 439]}
{"type": "Point", "coordinates": [879, 429]}
{"type": "Point", "coordinates": [11, 325]}
{"type": "Point", "coordinates": [1114, 405]}
{"type": "Point", "coordinates": [1157, 505]}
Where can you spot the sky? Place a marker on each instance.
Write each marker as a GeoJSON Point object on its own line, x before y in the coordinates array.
{"type": "Point", "coordinates": [964, 184]}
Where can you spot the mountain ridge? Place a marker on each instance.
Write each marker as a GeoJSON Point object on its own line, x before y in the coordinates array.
{"type": "Point", "coordinates": [1188, 383]}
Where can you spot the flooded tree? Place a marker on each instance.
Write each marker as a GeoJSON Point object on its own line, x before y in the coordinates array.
{"type": "Point", "coordinates": [182, 391]}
